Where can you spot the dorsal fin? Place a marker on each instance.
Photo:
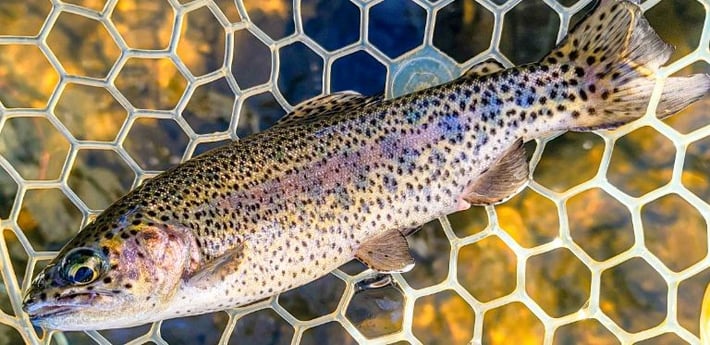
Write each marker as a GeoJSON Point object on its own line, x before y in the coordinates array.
{"type": "Point", "coordinates": [324, 104]}
{"type": "Point", "coordinates": [484, 68]}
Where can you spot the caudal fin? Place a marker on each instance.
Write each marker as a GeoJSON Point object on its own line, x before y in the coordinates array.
{"type": "Point", "coordinates": [616, 55]}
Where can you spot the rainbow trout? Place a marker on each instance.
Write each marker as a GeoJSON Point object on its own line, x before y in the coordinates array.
{"type": "Point", "coordinates": [346, 176]}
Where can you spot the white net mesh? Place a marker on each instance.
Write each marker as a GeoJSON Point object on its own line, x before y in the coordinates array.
{"type": "Point", "coordinates": [607, 245]}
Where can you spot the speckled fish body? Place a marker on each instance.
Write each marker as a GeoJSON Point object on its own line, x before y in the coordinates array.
{"type": "Point", "coordinates": [345, 176]}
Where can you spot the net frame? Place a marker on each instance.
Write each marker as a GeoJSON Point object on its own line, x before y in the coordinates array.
{"type": "Point", "coordinates": [395, 67]}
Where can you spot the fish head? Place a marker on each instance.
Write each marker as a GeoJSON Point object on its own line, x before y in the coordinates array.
{"type": "Point", "coordinates": [109, 278]}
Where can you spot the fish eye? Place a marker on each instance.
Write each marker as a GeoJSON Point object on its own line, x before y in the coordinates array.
{"type": "Point", "coordinates": [82, 266]}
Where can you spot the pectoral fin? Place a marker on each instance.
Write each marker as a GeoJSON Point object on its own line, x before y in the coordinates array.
{"type": "Point", "coordinates": [505, 178]}
{"type": "Point", "coordinates": [217, 269]}
{"type": "Point", "coordinates": [387, 253]}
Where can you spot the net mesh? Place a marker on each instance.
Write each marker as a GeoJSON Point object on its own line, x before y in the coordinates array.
{"type": "Point", "coordinates": [608, 244]}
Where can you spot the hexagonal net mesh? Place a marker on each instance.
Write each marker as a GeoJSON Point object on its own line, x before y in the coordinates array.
{"type": "Point", "coordinates": [608, 244]}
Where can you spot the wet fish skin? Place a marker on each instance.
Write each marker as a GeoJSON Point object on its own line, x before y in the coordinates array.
{"type": "Point", "coordinates": [345, 176]}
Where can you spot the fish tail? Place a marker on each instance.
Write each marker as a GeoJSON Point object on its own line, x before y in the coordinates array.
{"type": "Point", "coordinates": [613, 56]}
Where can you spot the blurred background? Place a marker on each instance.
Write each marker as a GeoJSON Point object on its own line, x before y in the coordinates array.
{"type": "Point", "coordinates": [608, 244]}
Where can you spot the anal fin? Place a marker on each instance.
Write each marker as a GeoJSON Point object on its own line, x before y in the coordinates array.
{"type": "Point", "coordinates": [502, 180]}
{"type": "Point", "coordinates": [387, 253]}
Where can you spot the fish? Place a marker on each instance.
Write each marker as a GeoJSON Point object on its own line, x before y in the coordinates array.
{"type": "Point", "coordinates": [346, 176]}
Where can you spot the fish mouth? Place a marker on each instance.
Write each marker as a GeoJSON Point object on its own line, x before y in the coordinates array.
{"type": "Point", "coordinates": [42, 310]}
{"type": "Point", "coordinates": [49, 311]}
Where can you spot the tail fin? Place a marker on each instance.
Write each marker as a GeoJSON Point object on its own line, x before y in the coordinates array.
{"type": "Point", "coordinates": [617, 54]}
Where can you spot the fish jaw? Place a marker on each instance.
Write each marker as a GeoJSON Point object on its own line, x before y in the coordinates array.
{"type": "Point", "coordinates": [73, 312]}
{"type": "Point", "coordinates": [41, 312]}
{"type": "Point", "coordinates": [82, 318]}
{"type": "Point", "coordinates": [98, 309]}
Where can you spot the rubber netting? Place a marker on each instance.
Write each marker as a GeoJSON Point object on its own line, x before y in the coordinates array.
{"type": "Point", "coordinates": [607, 245]}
